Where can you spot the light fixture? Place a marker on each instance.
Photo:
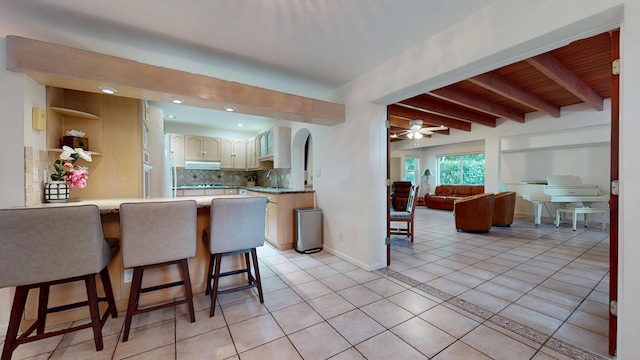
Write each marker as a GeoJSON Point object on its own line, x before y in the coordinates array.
{"type": "Point", "coordinates": [176, 100]}
{"type": "Point", "coordinates": [107, 89]}
{"type": "Point", "coordinates": [414, 135]}
{"type": "Point", "coordinates": [169, 116]}
{"type": "Point", "coordinates": [229, 108]}
{"type": "Point", "coordinates": [240, 125]}
{"type": "Point", "coordinates": [426, 173]}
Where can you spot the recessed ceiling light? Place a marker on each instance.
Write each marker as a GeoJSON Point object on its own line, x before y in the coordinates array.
{"type": "Point", "coordinates": [176, 100]}
{"type": "Point", "coordinates": [107, 90]}
{"type": "Point", "coordinates": [170, 116]}
{"type": "Point", "coordinates": [229, 108]}
{"type": "Point", "coordinates": [240, 125]}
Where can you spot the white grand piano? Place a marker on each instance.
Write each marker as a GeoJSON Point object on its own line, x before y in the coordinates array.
{"type": "Point", "coordinates": [561, 189]}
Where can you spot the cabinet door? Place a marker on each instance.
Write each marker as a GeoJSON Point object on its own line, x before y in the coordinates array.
{"type": "Point", "coordinates": [269, 143]}
{"type": "Point", "coordinates": [271, 222]}
{"type": "Point", "coordinates": [263, 144]}
{"type": "Point", "coordinates": [211, 148]}
{"type": "Point", "coordinates": [252, 160]}
{"type": "Point", "coordinates": [193, 147]}
{"type": "Point", "coordinates": [177, 149]}
{"type": "Point", "coordinates": [226, 153]}
{"type": "Point", "coordinates": [240, 154]}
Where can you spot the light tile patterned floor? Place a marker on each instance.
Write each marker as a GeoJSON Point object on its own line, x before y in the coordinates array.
{"type": "Point", "coordinates": [514, 293]}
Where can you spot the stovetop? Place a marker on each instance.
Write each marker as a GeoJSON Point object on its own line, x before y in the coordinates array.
{"type": "Point", "coordinates": [198, 186]}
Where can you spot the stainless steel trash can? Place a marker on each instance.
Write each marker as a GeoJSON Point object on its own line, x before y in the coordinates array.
{"type": "Point", "coordinates": [308, 230]}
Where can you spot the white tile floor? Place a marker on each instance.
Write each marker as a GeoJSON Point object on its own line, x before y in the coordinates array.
{"type": "Point", "coordinates": [514, 293]}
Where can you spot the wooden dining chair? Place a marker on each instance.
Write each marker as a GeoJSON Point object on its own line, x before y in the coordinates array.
{"type": "Point", "coordinates": [406, 216]}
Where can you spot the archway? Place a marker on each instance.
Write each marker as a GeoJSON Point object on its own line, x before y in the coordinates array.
{"type": "Point", "coordinates": [302, 160]}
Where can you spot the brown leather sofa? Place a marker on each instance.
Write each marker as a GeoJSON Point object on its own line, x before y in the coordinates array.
{"type": "Point", "coordinates": [474, 213]}
{"type": "Point", "coordinates": [504, 207]}
{"type": "Point", "coordinates": [445, 195]}
{"type": "Point", "coordinates": [400, 195]}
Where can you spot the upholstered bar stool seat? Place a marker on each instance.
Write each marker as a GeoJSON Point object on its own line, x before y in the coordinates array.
{"type": "Point", "coordinates": [236, 227]}
{"type": "Point", "coordinates": [156, 234]}
{"type": "Point", "coordinates": [42, 247]}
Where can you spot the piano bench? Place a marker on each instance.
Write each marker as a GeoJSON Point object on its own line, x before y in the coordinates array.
{"type": "Point", "coordinates": [574, 211]}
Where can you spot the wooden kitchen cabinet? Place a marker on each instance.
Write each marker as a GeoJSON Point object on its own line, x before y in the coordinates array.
{"type": "Point", "coordinates": [177, 149]}
{"type": "Point", "coordinates": [279, 218]}
{"type": "Point", "coordinates": [275, 146]}
{"type": "Point", "coordinates": [201, 148]}
{"type": "Point", "coordinates": [233, 154]}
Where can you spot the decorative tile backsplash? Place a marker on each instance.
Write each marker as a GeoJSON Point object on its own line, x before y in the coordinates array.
{"type": "Point", "coordinates": [34, 159]}
{"type": "Point", "coordinates": [224, 177]}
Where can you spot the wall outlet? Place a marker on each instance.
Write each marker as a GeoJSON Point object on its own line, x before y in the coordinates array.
{"type": "Point", "coordinates": [340, 237]}
{"type": "Point", "coordinates": [35, 175]}
{"type": "Point", "coordinates": [128, 275]}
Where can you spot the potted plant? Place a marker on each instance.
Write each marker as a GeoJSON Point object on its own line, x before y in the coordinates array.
{"type": "Point", "coordinates": [67, 174]}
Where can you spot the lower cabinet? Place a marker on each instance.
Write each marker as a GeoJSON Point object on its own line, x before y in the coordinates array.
{"type": "Point", "coordinates": [280, 217]}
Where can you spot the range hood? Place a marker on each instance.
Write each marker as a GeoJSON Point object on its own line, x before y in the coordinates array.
{"type": "Point", "coordinates": [202, 165]}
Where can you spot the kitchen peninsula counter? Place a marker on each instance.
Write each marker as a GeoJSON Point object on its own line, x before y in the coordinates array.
{"type": "Point", "coordinates": [109, 213]}
{"type": "Point", "coordinates": [108, 206]}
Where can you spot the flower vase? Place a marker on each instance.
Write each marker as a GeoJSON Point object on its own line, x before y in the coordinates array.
{"type": "Point", "coordinates": [56, 192]}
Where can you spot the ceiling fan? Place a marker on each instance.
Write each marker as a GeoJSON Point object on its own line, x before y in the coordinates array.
{"type": "Point", "coordinates": [416, 131]}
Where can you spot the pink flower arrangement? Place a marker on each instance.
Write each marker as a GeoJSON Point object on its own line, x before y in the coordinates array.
{"type": "Point", "coordinates": [66, 170]}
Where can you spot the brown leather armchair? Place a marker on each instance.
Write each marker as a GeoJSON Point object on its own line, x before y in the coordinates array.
{"type": "Point", "coordinates": [400, 195]}
{"type": "Point", "coordinates": [503, 208]}
{"type": "Point", "coordinates": [474, 213]}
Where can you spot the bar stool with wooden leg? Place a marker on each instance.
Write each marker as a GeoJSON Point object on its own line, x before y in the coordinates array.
{"type": "Point", "coordinates": [43, 247]}
{"type": "Point", "coordinates": [157, 234]}
{"type": "Point", "coordinates": [237, 227]}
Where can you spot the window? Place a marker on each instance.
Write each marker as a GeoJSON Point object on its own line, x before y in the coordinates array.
{"type": "Point", "coordinates": [411, 169]}
{"type": "Point", "coordinates": [465, 169]}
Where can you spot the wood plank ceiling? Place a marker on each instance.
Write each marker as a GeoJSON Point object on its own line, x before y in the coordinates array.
{"type": "Point", "coordinates": [577, 73]}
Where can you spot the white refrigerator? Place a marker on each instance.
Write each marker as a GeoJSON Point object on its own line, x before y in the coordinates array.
{"type": "Point", "coordinates": [170, 174]}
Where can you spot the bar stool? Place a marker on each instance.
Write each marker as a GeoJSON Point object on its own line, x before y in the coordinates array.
{"type": "Point", "coordinates": [156, 234]}
{"type": "Point", "coordinates": [236, 227]}
{"type": "Point", "coordinates": [42, 247]}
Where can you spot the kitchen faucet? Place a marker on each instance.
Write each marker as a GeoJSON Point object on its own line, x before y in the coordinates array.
{"type": "Point", "coordinates": [277, 177]}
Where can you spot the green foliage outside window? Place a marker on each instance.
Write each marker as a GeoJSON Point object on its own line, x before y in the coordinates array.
{"type": "Point", "coordinates": [461, 169]}
{"type": "Point", "coordinates": [410, 165]}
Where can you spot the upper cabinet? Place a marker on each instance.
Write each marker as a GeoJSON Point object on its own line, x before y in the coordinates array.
{"type": "Point", "coordinates": [177, 149]}
{"type": "Point", "coordinates": [275, 146]}
{"type": "Point", "coordinates": [201, 148]}
{"type": "Point", "coordinates": [233, 154]}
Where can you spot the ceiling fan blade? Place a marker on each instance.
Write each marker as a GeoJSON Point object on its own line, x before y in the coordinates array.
{"type": "Point", "coordinates": [435, 128]}
{"type": "Point", "coordinates": [425, 131]}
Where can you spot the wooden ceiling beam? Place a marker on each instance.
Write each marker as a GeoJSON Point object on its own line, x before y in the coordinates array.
{"type": "Point", "coordinates": [435, 120]}
{"type": "Point", "coordinates": [558, 72]}
{"type": "Point", "coordinates": [477, 103]}
{"type": "Point", "coordinates": [447, 109]}
{"type": "Point", "coordinates": [506, 88]}
{"type": "Point", "coordinates": [66, 67]}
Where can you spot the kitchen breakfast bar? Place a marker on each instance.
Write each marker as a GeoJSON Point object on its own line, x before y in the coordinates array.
{"type": "Point", "coordinates": [279, 233]}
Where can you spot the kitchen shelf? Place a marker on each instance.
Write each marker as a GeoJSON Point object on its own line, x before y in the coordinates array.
{"type": "Point", "coordinates": [92, 153]}
{"type": "Point", "coordinates": [75, 113]}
